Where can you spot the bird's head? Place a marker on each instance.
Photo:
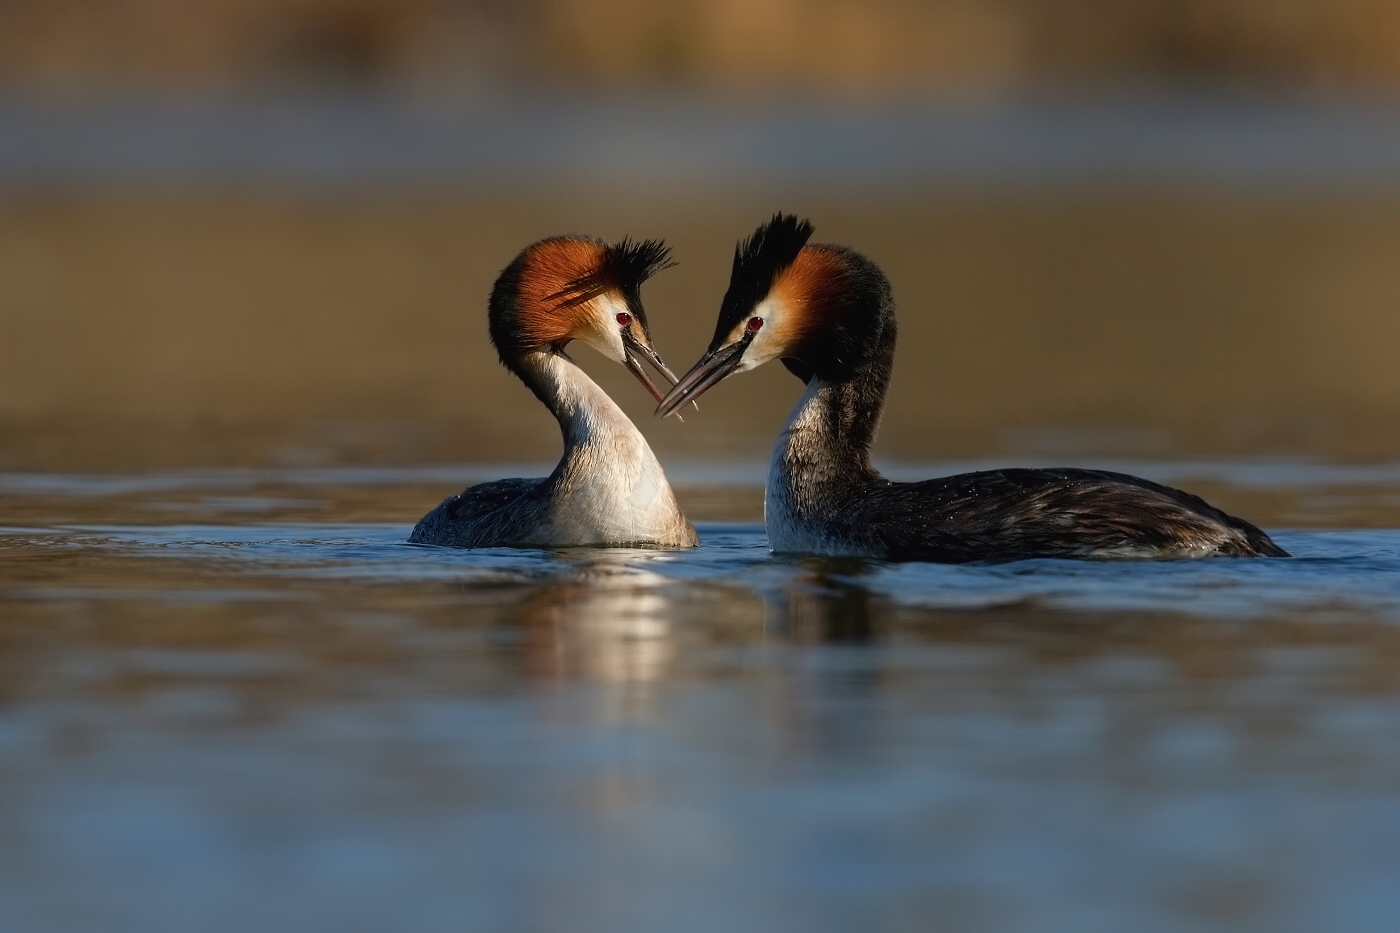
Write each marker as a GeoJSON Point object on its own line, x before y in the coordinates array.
{"type": "Point", "coordinates": [578, 288]}
{"type": "Point", "coordinates": [818, 308]}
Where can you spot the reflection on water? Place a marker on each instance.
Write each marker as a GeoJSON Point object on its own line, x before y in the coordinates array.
{"type": "Point", "coordinates": [284, 721]}
{"type": "Point", "coordinates": [822, 604]}
{"type": "Point", "coordinates": [605, 621]}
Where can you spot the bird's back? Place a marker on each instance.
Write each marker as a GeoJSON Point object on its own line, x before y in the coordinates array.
{"type": "Point", "coordinates": [1022, 513]}
{"type": "Point", "coordinates": [484, 515]}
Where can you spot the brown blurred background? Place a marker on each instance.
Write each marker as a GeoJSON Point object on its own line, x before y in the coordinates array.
{"type": "Point", "coordinates": [742, 46]}
{"type": "Point", "coordinates": [258, 232]}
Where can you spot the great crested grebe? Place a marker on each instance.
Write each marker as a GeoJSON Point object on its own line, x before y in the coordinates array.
{"type": "Point", "coordinates": [608, 488]}
{"type": "Point", "coordinates": [828, 313]}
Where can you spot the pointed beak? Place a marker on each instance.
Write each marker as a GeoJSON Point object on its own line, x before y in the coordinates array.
{"type": "Point", "coordinates": [634, 352]}
{"type": "Point", "coordinates": [712, 368]}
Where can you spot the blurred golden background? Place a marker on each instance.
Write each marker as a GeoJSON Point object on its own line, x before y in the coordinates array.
{"type": "Point", "coordinates": [742, 46]}
{"type": "Point", "coordinates": [257, 232]}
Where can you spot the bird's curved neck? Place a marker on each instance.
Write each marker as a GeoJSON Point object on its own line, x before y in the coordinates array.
{"type": "Point", "coordinates": [608, 486]}
{"type": "Point", "coordinates": [587, 416]}
{"type": "Point", "coordinates": [833, 426]}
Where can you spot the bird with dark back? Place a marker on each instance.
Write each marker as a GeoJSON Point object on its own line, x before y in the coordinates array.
{"type": "Point", "coordinates": [828, 314]}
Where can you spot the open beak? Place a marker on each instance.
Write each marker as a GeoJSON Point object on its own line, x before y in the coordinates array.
{"type": "Point", "coordinates": [711, 369]}
{"type": "Point", "coordinates": [634, 351]}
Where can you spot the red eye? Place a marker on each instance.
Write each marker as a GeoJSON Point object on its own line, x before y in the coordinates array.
{"type": "Point", "coordinates": [755, 324]}
{"type": "Point", "coordinates": [624, 318]}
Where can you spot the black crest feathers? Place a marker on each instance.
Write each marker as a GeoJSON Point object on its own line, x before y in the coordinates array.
{"type": "Point", "coordinates": [757, 261]}
{"type": "Point", "coordinates": [624, 267]}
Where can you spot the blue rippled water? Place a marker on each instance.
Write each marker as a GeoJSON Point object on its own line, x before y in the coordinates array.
{"type": "Point", "coordinates": [1331, 570]}
{"type": "Point", "coordinates": [275, 723]}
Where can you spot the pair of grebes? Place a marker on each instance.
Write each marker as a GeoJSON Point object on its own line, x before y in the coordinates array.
{"type": "Point", "coordinates": [827, 313]}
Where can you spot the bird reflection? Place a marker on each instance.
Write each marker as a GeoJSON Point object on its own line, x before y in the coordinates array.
{"type": "Point", "coordinates": [611, 617]}
{"type": "Point", "coordinates": [826, 602]}
{"type": "Point", "coordinates": [606, 620]}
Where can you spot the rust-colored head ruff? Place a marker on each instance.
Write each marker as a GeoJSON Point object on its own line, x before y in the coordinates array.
{"type": "Point", "coordinates": [814, 306]}
{"type": "Point", "coordinates": [553, 290]}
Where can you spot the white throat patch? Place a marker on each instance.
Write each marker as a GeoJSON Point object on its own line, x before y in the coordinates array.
{"type": "Point", "coordinates": [771, 341]}
{"type": "Point", "coordinates": [599, 328]}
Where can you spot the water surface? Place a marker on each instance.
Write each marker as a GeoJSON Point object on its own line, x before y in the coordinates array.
{"type": "Point", "coordinates": [237, 700]}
